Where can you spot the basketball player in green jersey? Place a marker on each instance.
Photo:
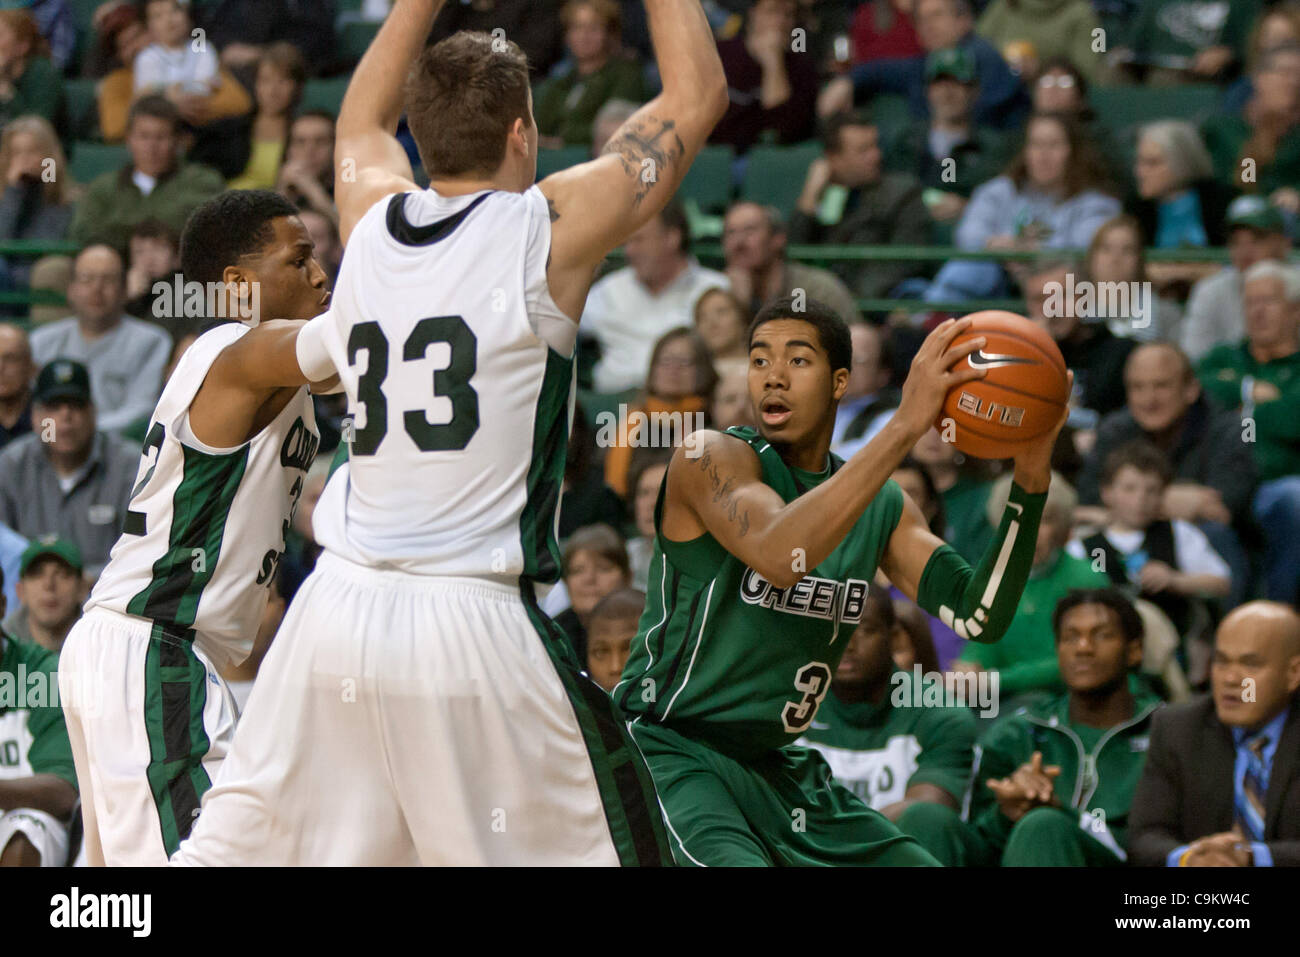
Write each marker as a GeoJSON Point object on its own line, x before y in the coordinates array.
{"type": "Point", "coordinates": [765, 544]}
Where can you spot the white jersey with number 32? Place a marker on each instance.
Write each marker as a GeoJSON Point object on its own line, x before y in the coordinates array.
{"type": "Point", "coordinates": [458, 367]}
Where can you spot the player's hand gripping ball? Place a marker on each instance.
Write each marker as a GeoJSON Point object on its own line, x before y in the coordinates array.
{"type": "Point", "coordinates": [1020, 399]}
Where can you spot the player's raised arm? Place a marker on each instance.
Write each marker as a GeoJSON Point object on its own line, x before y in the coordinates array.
{"type": "Point", "coordinates": [718, 477]}
{"type": "Point", "coordinates": [369, 162]}
{"type": "Point", "coordinates": [597, 205]}
{"type": "Point", "coordinates": [977, 603]}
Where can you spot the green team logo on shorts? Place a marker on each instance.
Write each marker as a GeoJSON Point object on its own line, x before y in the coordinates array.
{"type": "Point", "coordinates": [811, 597]}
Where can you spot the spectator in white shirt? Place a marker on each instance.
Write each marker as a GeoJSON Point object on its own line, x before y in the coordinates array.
{"type": "Point", "coordinates": [125, 356]}
{"type": "Point", "coordinates": [631, 308]}
{"type": "Point", "coordinates": [1256, 232]}
{"type": "Point", "coordinates": [868, 402]}
{"type": "Point", "coordinates": [1167, 561]}
{"type": "Point", "coordinates": [172, 64]}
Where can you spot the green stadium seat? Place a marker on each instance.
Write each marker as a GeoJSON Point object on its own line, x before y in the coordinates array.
{"type": "Point", "coordinates": [325, 94]}
{"type": "Point", "coordinates": [354, 38]}
{"type": "Point", "coordinates": [82, 108]}
{"type": "Point", "coordinates": [774, 175]}
{"type": "Point", "coordinates": [90, 160]}
{"type": "Point", "coordinates": [708, 181]}
{"type": "Point", "coordinates": [1121, 107]}
{"type": "Point", "coordinates": [552, 161]}
{"type": "Point", "coordinates": [83, 11]}
{"type": "Point", "coordinates": [892, 115]}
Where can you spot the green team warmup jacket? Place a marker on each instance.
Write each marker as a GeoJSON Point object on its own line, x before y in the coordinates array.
{"type": "Point", "coordinates": [1099, 768]}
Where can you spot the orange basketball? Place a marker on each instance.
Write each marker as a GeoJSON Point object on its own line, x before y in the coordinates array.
{"type": "Point", "coordinates": [1022, 396]}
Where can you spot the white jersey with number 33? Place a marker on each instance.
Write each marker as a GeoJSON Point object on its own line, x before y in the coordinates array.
{"type": "Point", "coordinates": [458, 367]}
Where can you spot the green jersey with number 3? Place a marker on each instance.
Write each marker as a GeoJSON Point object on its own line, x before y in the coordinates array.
{"type": "Point", "coordinates": [722, 656]}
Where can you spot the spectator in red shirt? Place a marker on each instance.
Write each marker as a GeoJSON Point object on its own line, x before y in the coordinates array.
{"type": "Point", "coordinates": [772, 88]}
{"type": "Point", "coordinates": [883, 30]}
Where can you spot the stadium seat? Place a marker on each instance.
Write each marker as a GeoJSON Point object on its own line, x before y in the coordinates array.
{"type": "Point", "coordinates": [90, 160]}
{"type": "Point", "coordinates": [82, 12]}
{"type": "Point", "coordinates": [81, 108]}
{"type": "Point", "coordinates": [354, 38]}
{"type": "Point", "coordinates": [774, 175]}
{"type": "Point", "coordinates": [1121, 107]}
{"type": "Point", "coordinates": [552, 161]}
{"type": "Point", "coordinates": [892, 115]}
{"type": "Point", "coordinates": [708, 181]}
{"type": "Point", "coordinates": [325, 94]}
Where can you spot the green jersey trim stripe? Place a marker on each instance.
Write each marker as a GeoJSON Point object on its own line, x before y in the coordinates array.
{"type": "Point", "coordinates": [660, 625]}
{"type": "Point", "coordinates": [200, 507]}
{"type": "Point", "coordinates": [175, 696]}
{"type": "Point", "coordinates": [626, 790]}
{"type": "Point", "coordinates": [546, 472]}
{"type": "Point", "coordinates": [676, 664]}
{"type": "Point", "coordinates": [699, 637]}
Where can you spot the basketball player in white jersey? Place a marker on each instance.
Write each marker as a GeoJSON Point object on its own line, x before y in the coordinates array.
{"type": "Point", "coordinates": [417, 706]}
{"type": "Point", "coordinates": [223, 465]}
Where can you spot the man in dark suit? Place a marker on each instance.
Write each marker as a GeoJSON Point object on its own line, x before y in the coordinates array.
{"type": "Point", "coordinates": [1221, 787]}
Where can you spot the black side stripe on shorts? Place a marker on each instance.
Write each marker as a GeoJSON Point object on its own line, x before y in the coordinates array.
{"type": "Point", "coordinates": [176, 735]}
{"type": "Point", "coordinates": [635, 796]}
{"type": "Point", "coordinates": [408, 234]}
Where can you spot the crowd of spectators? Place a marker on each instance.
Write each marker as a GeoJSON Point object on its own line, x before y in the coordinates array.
{"type": "Point", "coordinates": [920, 125]}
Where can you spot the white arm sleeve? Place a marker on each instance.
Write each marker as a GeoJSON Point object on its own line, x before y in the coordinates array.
{"type": "Point", "coordinates": [320, 348]}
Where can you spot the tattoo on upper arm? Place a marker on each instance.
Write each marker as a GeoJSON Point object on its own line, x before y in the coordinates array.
{"type": "Point", "coordinates": [724, 492]}
{"type": "Point", "coordinates": [550, 206]}
{"type": "Point", "coordinates": [649, 148]}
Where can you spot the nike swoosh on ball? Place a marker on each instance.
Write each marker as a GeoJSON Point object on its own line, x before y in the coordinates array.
{"type": "Point", "coordinates": [980, 360]}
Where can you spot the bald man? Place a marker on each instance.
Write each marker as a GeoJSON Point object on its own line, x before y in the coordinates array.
{"type": "Point", "coordinates": [16, 373]}
{"type": "Point", "coordinates": [1221, 785]}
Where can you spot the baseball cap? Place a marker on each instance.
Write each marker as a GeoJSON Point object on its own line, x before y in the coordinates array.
{"type": "Point", "coordinates": [60, 548]}
{"type": "Point", "coordinates": [1255, 212]}
{"type": "Point", "coordinates": [62, 379]}
{"type": "Point", "coordinates": [955, 63]}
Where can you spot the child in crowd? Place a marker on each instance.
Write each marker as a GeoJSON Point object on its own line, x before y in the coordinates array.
{"type": "Point", "coordinates": [171, 64]}
{"type": "Point", "coordinates": [1167, 561]}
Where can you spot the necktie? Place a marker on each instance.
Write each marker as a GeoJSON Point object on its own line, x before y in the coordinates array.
{"type": "Point", "coordinates": [1250, 799]}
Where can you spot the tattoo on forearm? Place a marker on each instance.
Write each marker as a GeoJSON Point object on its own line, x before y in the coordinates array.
{"type": "Point", "coordinates": [724, 493]}
{"type": "Point", "coordinates": [649, 149]}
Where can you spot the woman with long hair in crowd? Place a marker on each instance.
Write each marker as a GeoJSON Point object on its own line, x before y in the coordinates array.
{"type": "Point", "coordinates": [1052, 196]}
{"type": "Point", "coordinates": [678, 387]}
{"type": "Point", "coordinates": [37, 201]}
{"type": "Point", "coordinates": [281, 75]}
{"type": "Point", "coordinates": [29, 82]}
{"type": "Point", "coordinates": [1116, 255]}
{"type": "Point", "coordinates": [723, 324]}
